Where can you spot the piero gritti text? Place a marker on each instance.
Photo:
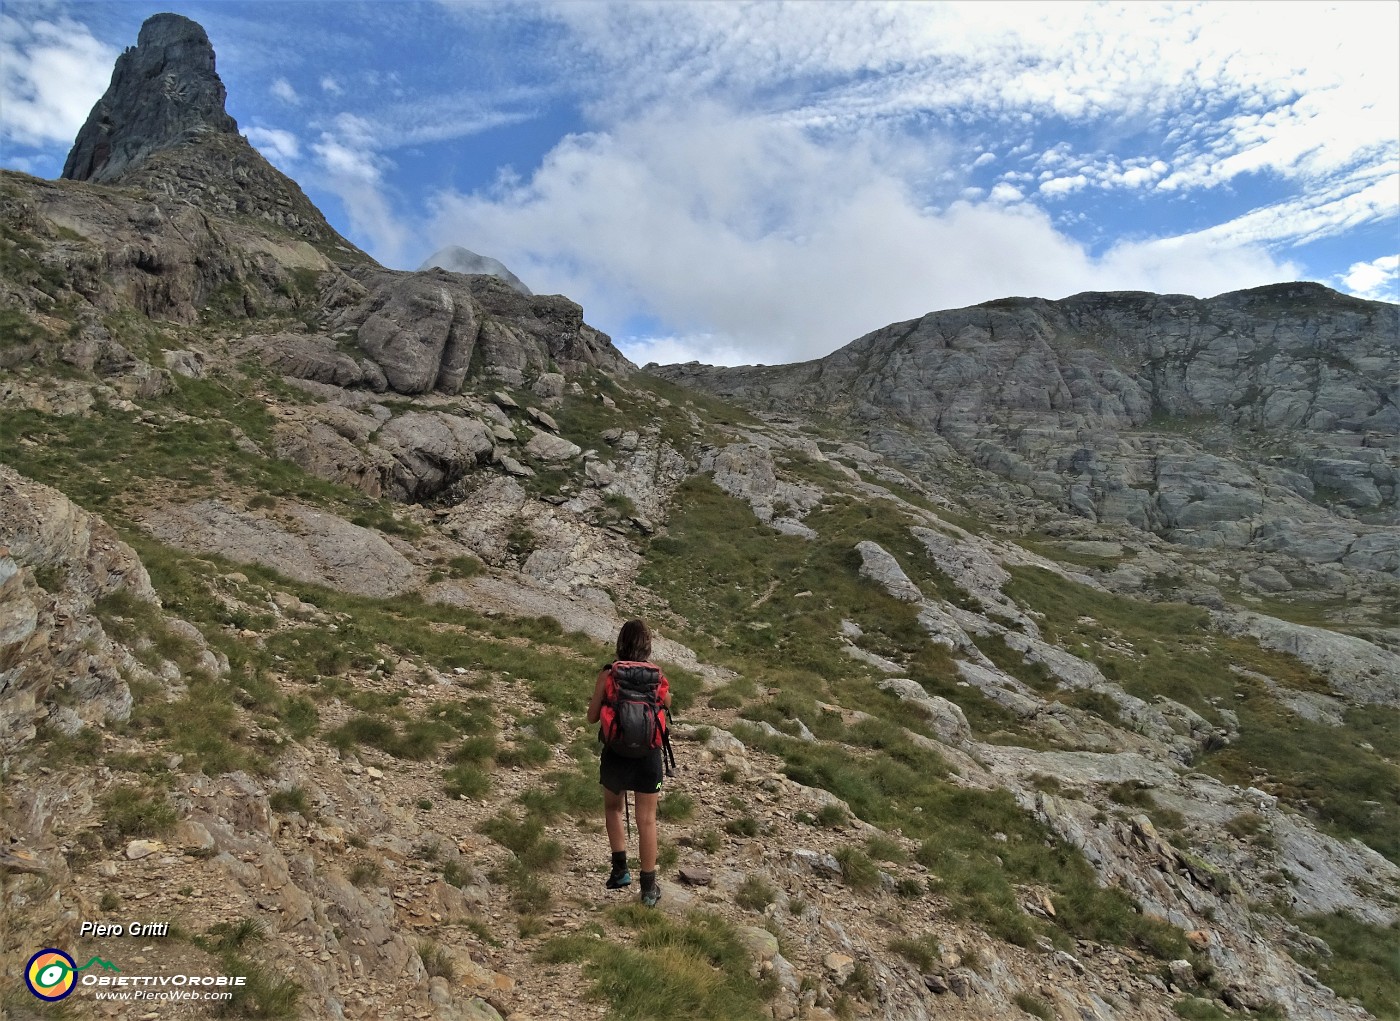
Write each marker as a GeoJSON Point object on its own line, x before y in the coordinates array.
{"type": "Point", "coordinates": [140, 930]}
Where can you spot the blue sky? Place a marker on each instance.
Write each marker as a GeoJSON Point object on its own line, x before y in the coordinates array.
{"type": "Point", "coordinates": [764, 182]}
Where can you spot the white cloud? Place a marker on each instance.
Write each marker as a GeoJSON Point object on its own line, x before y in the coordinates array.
{"type": "Point", "coordinates": [1301, 90]}
{"type": "Point", "coordinates": [1367, 196]}
{"type": "Point", "coordinates": [1378, 279]}
{"type": "Point", "coordinates": [51, 75]}
{"type": "Point", "coordinates": [752, 241]}
{"type": "Point", "coordinates": [350, 165]}
{"type": "Point", "coordinates": [1058, 186]}
{"type": "Point", "coordinates": [279, 146]}
{"type": "Point", "coordinates": [282, 89]}
{"type": "Point", "coordinates": [984, 159]}
{"type": "Point", "coordinates": [1003, 192]}
{"type": "Point", "coordinates": [668, 350]}
{"type": "Point", "coordinates": [330, 85]}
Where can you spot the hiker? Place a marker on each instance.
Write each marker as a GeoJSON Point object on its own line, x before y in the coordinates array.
{"type": "Point", "coordinates": [630, 700]}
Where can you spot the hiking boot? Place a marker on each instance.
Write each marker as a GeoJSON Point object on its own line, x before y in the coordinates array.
{"type": "Point", "coordinates": [651, 895]}
{"type": "Point", "coordinates": [619, 878]}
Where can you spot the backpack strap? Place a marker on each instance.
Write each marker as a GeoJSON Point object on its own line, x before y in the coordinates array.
{"type": "Point", "coordinates": [668, 757]}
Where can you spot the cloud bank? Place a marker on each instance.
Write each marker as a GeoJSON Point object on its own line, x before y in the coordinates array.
{"type": "Point", "coordinates": [753, 241]}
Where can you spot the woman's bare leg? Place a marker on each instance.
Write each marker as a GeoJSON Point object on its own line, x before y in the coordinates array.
{"type": "Point", "coordinates": [646, 830]}
{"type": "Point", "coordinates": [612, 818]}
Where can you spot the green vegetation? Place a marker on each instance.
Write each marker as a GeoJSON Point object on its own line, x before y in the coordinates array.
{"type": "Point", "coordinates": [744, 826]}
{"type": "Point", "coordinates": [366, 872]}
{"type": "Point", "coordinates": [755, 893]}
{"type": "Point", "coordinates": [1365, 961]}
{"type": "Point", "coordinates": [1329, 773]}
{"type": "Point", "coordinates": [526, 838]}
{"type": "Point", "coordinates": [1193, 1008]}
{"type": "Point", "coordinates": [694, 969]}
{"type": "Point", "coordinates": [1034, 1006]}
{"type": "Point", "coordinates": [117, 462]}
{"type": "Point", "coordinates": [135, 812]}
{"type": "Point", "coordinates": [267, 994]}
{"type": "Point", "coordinates": [415, 739]}
{"type": "Point", "coordinates": [921, 951]}
{"type": "Point", "coordinates": [293, 799]}
{"type": "Point", "coordinates": [857, 870]}
{"type": "Point", "coordinates": [772, 604]}
{"type": "Point", "coordinates": [675, 806]}
{"type": "Point", "coordinates": [904, 788]}
{"type": "Point", "coordinates": [887, 849]}
{"type": "Point", "coordinates": [437, 961]}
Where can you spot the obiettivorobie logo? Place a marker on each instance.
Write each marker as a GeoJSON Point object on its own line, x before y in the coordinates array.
{"type": "Point", "coordinates": [51, 974]}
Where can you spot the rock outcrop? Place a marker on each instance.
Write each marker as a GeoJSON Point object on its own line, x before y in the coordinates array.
{"type": "Point", "coordinates": [1264, 419]}
{"type": "Point", "coordinates": [58, 666]}
{"type": "Point", "coordinates": [163, 90]}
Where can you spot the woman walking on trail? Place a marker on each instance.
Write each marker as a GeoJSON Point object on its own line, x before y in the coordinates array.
{"type": "Point", "coordinates": [630, 699]}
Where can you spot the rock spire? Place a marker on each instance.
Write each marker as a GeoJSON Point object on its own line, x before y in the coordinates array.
{"type": "Point", "coordinates": [164, 89]}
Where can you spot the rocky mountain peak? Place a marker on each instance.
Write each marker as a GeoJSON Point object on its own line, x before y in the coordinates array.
{"type": "Point", "coordinates": [163, 90]}
{"type": "Point", "coordinates": [457, 259]}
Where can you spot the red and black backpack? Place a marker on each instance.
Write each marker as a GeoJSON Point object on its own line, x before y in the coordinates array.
{"type": "Point", "coordinates": [633, 715]}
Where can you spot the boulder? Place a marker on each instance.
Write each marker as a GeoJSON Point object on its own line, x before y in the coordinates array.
{"type": "Point", "coordinates": [323, 548]}
{"type": "Point", "coordinates": [884, 570]}
{"type": "Point", "coordinates": [946, 717]}
{"type": "Point", "coordinates": [546, 447]}
{"type": "Point", "coordinates": [432, 450]}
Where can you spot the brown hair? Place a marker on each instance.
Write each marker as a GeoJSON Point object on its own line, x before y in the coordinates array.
{"type": "Point", "coordinates": [634, 642]}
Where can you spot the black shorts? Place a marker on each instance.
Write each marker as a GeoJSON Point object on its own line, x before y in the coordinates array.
{"type": "Point", "coordinates": [618, 773]}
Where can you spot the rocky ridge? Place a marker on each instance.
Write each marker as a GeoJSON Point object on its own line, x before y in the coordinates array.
{"type": "Point", "coordinates": [1260, 425]}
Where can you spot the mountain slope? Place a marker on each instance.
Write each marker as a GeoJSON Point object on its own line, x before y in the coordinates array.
{"type": "Point", "coordinates": [1256, 423]}
{"type": "Point", "coordinates": [306, 568]}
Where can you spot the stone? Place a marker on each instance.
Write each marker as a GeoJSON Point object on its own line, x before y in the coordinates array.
{"type": "Point", "coordinates": [1356, 668]}
{"type": "Point", "coordinates": [543, 418]}
{"type": "Point", "coordinates": [306, 356]}
{"type": "Point", "coordinates": [191, 836]}
{"type": "Point", "coordinates": [839, 966]}
{"type": "Point", "coordinates": [420, 329]}
{"type": "Point", "coordinates": [760, 942]}
{"type": "Point", "coordinates": [884, 570]}
{"type": "Point", "coordinates": [1267, 579]}
{"type": "Point", "coordinates": [138, 849]}
{"type": "Point", "coordinates": [694, 875]}
{"type": "Point", "coordinates": [747, 472]}
{"type": "Point", "coordinates": [324, 549]}
{"type": "Point", "coordinates": [189, 364]}
{"type": "Point", "coordinates": [514, 467]}
{"type": "Point", "coordinates": [1037, 392]}
{"type": "Point", "coordinates": [52, 640]}
{"type": "Point", "coordinates": [432, 450]}
{"type": "Point", "coordinates": [548, 386]}
{"type": "Point", "coordinates": [551, 448]}
{"type": "Point", "coordinates": [946, 717]}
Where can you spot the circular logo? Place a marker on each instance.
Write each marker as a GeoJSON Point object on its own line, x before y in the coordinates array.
{"type": "Point", "coordinates": [51, 974]}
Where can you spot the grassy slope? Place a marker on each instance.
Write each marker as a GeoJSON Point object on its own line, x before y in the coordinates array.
{"type": "Point", "coordinates": [765, 604]}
